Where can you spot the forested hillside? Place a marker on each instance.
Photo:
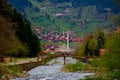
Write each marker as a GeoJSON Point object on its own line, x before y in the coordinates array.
{"type": "Point", "coordinates": [80, 16]}
{"type": "Point", "coordinates": [16, 36]}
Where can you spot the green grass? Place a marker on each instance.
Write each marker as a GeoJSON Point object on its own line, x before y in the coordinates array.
{"type": "Point", "coordinates": [11, 71]}
{"type": "Point", "coordinates": [79, 66]}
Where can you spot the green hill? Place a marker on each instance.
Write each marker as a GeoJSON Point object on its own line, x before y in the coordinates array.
{"type": "Point", "coordinates": [80, 16]}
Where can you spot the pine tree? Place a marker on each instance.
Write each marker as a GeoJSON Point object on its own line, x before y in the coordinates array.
{"type": "Point", "coordinates": [100, 41]}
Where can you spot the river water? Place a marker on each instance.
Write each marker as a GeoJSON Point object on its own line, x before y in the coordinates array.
{"type": "Point", "coordinates": [52, 71]}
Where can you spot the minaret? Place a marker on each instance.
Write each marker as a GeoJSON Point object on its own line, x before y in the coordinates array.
{"type": "Point", "coordinates": [67, 41]}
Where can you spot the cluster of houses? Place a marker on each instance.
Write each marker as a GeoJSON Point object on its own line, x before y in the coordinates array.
{"type": "Point", "coordinates": [55, 36]}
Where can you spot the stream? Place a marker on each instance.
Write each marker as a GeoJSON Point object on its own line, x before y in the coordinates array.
{"type": "Point", "coordinates": [52, 71]}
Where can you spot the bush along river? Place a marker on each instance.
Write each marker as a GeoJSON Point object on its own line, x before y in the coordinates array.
{"type": "Point", "coordinates": [53, 71]}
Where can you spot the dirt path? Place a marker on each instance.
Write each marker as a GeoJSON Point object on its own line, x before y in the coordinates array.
{"type": "Point", "coordinates": [22, 61]}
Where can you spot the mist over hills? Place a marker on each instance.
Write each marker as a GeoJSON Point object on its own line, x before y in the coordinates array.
{"type": "Point", "coordinates": [80, 16]}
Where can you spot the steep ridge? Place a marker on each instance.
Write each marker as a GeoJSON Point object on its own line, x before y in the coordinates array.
{"type": "Point", "coordinates": [16, 36]}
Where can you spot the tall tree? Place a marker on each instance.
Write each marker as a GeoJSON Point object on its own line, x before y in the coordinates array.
{"type": "Point", "coordinates": [8, 39]}
{"type": "Point", "coordinates": [26, 36]}
{"type": "Point", "coordinates": [92, 45]}
{"type": "Point", "coordinates": [101, 40]}
{"type": "Point", "coordinates": [23, 29]}
{"type": "Point", "coordinates": [86, 50]}
{"type": "Point", "coordinates": [113, 57]}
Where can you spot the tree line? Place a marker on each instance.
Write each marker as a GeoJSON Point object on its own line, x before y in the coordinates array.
{"type": "Point", "coordinates": [16, 36]}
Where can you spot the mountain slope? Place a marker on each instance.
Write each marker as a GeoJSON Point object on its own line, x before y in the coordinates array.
{"type": "Point", "coordinates": [80, 16]}
{"type": "Point", "coordinates": [16, 36]}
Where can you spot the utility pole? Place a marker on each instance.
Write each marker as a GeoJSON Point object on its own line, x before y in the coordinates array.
{"type": "Point", "coordinates": [67, 41]}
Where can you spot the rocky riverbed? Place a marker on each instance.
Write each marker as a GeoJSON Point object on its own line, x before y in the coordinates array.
{"type": "Point", "coordinates": [52, 71]}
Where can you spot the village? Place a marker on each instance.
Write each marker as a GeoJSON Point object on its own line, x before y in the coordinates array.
{"type": "Point", "coordinates": [57, 37]}
{"type": "Point", "coordinates": [54, 36]}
